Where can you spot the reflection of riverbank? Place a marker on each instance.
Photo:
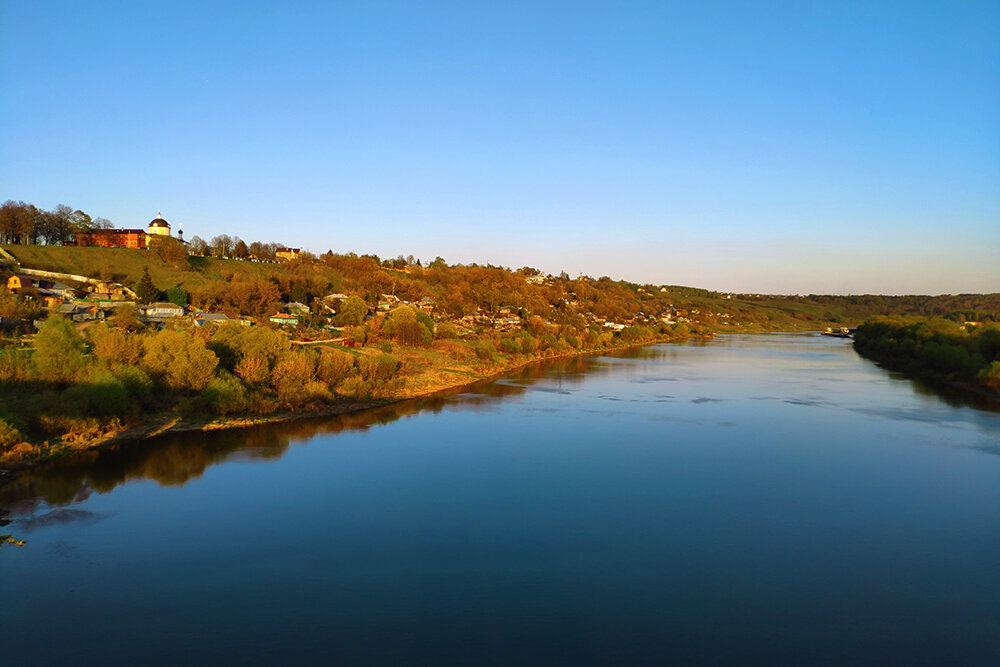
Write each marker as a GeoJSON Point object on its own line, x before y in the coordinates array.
{"type": "Point", "coordinates": [174, 458]}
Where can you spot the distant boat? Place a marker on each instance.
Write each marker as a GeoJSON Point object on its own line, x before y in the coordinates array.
{"type": "Point", "coordinates": [840, 332]}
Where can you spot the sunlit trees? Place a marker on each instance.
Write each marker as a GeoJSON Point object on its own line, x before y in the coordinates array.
{"type": "Point", "coordinates": [403, 325]}
{"type": "Point", "coordinates": [59, 350]}
{"type": "Point", "coordinates": [351, 311]}
{"type": "Point", "coordinates": [179, 359]}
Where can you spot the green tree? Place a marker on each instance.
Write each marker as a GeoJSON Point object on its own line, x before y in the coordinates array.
{"type": "Point", "coordinates": [59, 350]}
{"type": "Point", "coordinates": [176, 294]}
{"type": "Point", "coordinates": [146, 290]}
{"type": "Point", "coordinates": [352, 311]}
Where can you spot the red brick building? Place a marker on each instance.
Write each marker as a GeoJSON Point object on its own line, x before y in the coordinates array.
{"type": "Point", "coordinates": [113, 238]}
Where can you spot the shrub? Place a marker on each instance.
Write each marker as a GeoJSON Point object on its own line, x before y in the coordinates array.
{"type": "Point", "coordinates": [116, 346]}
{"type": "Point", "coordinates": [379, 368]}
{"type": "Point", "coordinates": [101, 395]}
{"type": "Point", "coordinates": [253, 370]}
{"type": "Point", "coordinates": [446, 330]}
{"type": "Point", "coordinates": [510, 346]}
{"type": "Point", "coordinates": [333, 366]}
{"type": "Point", "coordinates": [58, 350]}
{"type": "Point", "coordinates": [225, 395]}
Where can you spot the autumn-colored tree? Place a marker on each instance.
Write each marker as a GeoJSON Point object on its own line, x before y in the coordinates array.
{"type": "Point", "coordinates": [119, 347]}
{"type": "Point", "coordinates": [403, 325]}
{"type": "Point", "coordinates": [179, 359]}
{"type": "Point", "coordinates": [59, 350]}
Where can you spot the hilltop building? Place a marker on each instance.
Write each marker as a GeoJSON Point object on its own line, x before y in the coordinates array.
{"type": "Point", "coordinates": [127, 238]}
{"type": "Point", "coordinates": [158, 226]}
{"type": "Point", "coordinates": [113, 238]}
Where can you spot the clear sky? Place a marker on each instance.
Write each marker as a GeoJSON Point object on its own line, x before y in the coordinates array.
{"type": "Point", "coordinates": [791, 147]}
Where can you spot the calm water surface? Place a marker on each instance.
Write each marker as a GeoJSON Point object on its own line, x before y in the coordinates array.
{"type": "Point", "coordinates": [754, 499]}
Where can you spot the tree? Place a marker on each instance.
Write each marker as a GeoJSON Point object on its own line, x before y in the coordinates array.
{"type": "Point", "coordinates": [146, 291]}
{"type": "Point", "coordinates": [240, 250]}
{"type": "Point", "coordinates": [222, 245]}
{"type": "Point", "coordinates": [179, 359]}
{"type": "Point", "coordinates": [127, 318]}
{"type": "Point", "coordinates": [198, 246]}
{"type": "Point", "coordinates": [351, 311]}
{"type": "Point", "coordinates": [176, 294]}
{"type": "Point", "coordinates": [59, 349]}
{"type": "Point", "coordinates": [170, 250]}
{"type": "Point", "coordinates": [404, 325]}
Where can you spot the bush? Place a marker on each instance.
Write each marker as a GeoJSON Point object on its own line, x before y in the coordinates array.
{"type": "Point", "coordinates": [446, 330]}
{"type": "Point", "coordinates": [9, 436]}
{"type": "Point", "coordinates": [486, 350]}
{"type": "Point", "coordinates": [58, 350]}
{"type": "Point", "coordinates": [225, 395]}
{"type": "Point", "coordinates": [14, 365]}
{"type": "Point", "coordinates": [333, 366]}
{"type": "Point", "coordinates": [115, 346]}
{"type": "Point", "coordinates": [510, 346]}
{"type": "Point", "coordinates": [290, 378]}
{"type": "Point", "coordinates": [102, 395]}
{"type": "Point", "coordinates": [379, 368]}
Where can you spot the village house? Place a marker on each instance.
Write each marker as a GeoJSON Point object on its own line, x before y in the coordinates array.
{"type": "Point", "coordinates": [288, 253]}
{"type": "Point", "coordinates": [388, 301]}
{"type": "Point", "coordinates": [18, 284]}
{"type": "Point", "coordinates": [81, 312]}
{"type": "Point", "coordinates": [108, 291]}
{"type": "Point", "coordinates": [162, 310]}
{"type": "Point", "coordinates": [284, 320]}
{"type": "Point", "coordinates": [427, 304]}
{"type": "Point", "coordinates": [296, 308]}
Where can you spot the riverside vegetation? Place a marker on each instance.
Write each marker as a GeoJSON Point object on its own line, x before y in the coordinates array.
{"type": "Point", "coordinates": [70, 387]}
{"type": "Point", "coordinates": [935, 349]}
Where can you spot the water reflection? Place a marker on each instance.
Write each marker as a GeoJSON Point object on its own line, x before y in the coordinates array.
{"type": "Point", "coordinates": [176, 458]}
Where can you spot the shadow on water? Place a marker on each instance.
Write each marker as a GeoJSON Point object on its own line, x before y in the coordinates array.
{"type": "Point", "coordinates": [175, 458]}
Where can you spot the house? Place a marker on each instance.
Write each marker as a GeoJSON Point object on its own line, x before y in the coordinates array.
{"type": "Point", "coordinates": [108, 291]}
{"type": "Point", "coordinates": [427, 304]}
{"type": "Point", "coordinates": [288, 253]}
{"type": "Point", "coordinates": [162, 310]}
{"type": "Point", "coordinates": [17, 282]}
{"type": "Point", "coordinates": [202, 318]}
{"type": "Point", "coordinates": [80, 312]}
{"type": "Point", "coordinates": [284, 320]}
{"type": "Point", "coordinates": [52, 301]}
{"type": "Point", "coordinates": [388, 301]}
{"type": "Point", "coordinates": [296, 308]}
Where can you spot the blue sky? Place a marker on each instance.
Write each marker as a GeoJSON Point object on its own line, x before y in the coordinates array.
{"type": "Point", "coordinates": [746, 146]}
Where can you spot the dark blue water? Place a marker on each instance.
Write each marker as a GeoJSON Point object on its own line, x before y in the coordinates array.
{"type": "Point", "coordinates": [751, 500]}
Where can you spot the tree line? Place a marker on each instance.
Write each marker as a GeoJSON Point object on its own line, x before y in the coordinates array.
{"type": "Point", "coordinates": [22, 223]}
{"type": "Point", "coordinates": [935, 348]}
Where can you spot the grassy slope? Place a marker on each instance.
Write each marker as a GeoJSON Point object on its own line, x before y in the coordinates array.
{"type": "Point", "coordinates": [128, 265]}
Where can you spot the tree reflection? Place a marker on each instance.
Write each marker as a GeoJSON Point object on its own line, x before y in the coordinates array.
{"type": "Point", "coordinates": [175, 458]}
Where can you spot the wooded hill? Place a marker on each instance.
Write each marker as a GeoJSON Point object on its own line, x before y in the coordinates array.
{"type": "Point", "coordinates": [258, 289]}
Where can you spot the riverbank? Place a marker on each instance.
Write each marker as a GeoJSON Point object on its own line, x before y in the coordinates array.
{"type": "Point", "coordinates": [432, 380]}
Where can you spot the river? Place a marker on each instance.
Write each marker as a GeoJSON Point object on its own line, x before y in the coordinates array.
{"type": "Point", "coordinates": [770, 499]}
